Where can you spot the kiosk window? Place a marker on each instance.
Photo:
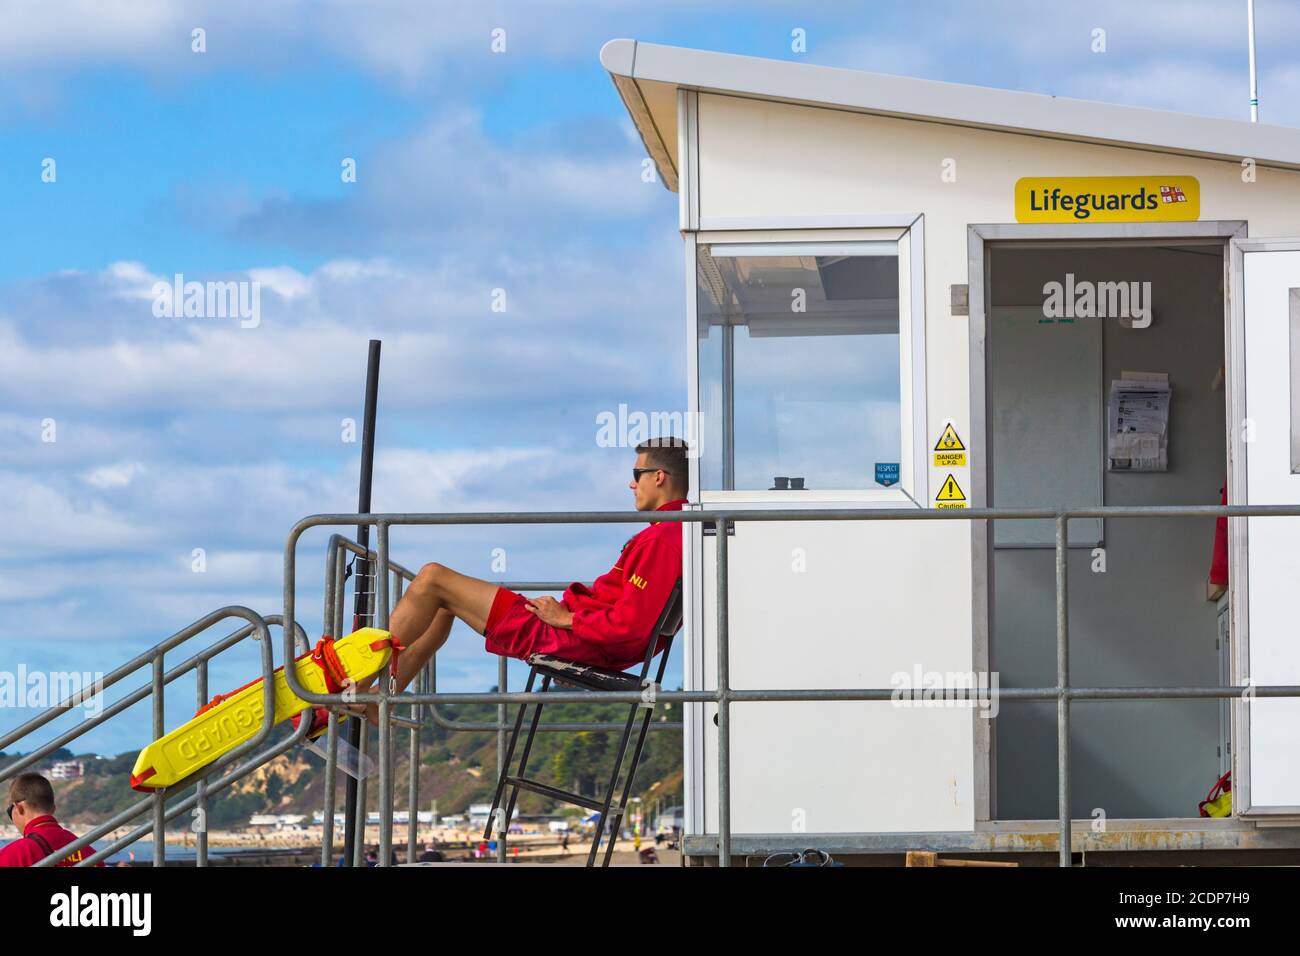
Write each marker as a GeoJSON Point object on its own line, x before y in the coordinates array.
{"type": "Point", "coordinates": [799, 367]}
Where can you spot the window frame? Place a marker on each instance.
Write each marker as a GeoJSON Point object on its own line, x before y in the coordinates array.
{"type": "Point", "coordinates": [908, 235]}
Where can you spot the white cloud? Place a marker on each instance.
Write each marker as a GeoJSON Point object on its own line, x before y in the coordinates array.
{"type": "Point", "coordinates": [449, 190]}
{"type": "Point", "coordinates": [411, 41]}
{"type": "Point", "coordinates": [1183, 55]}
{"type": "Point", "coordinates": [285, 282]}
{"type": "Point", "coordinates": [47, 518]}
{"type": "Point", "coordinates": [114, 476]}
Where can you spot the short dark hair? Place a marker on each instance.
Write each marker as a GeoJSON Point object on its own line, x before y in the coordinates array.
{"type": "Point", "coordinates": [670, 454]}
{"type": "Point", "coordinates": [34, 790]}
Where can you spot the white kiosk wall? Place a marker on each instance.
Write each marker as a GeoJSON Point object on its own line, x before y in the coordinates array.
{"type": "Point", "coordinates": [754, 164]}
{"type": "Point", "coordinates": [1269, 765]}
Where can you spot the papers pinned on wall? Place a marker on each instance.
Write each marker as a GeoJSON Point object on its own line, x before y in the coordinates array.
{"type": "Point", "coordinates": [1138, 422]}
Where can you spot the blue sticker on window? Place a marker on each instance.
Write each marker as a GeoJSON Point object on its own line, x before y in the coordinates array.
{"type": "Point", "coordinates": [886, 473]}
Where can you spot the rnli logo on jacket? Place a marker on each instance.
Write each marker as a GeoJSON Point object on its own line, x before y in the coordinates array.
{"type": "Point", "coordinates": [638, 581]}
{"type": "Point", "coordinates": [1108, 199]}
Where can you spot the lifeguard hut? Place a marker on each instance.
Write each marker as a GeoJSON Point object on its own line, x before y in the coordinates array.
{"type": "Point", "coordinates": [911, 294]}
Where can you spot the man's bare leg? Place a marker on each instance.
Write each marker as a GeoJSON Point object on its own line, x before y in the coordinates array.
{"type": "Point", "coordinates": [426, 612]}
{"type": "Point", "coordinates": [416, 654]}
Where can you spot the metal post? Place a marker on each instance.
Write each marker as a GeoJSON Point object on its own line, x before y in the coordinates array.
{"type": "Point", "coordinates": [503, 831]}
{"type": "Point", "coordinates": [361, 608]}
{"type": "Point", "coordinates": [201, 790]}
{"type": "Point", "coordinates": [1250, 40]}
{"type": "Point", "coordinates": [159, 804]}
{"type": "Point", "coordinates": [1062, 689]}
{"type": "Point", "coordinates": [358, 855]}
{"type": "Point", "coordinates": [724, 715]}
{"type": "Point", "coordinates": [413, 783]}
{"type": "Point", "coordinates": [335, 625]}
{"type": "Point", "coordinates": [413, 750]}
{"type": "Point", "coordinates": [386, 688]}
{"type": "Point", "coordinates": [728, 407]}
{"type": "Point", "coordinates": [331, 782]}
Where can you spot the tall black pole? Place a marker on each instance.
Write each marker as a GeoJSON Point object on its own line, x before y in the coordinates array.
{"type": "Point", "coordinates": [363, 610]}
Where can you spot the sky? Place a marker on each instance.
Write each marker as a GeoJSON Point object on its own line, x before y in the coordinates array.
{"type": "Point", "coordinates": [130, 440]}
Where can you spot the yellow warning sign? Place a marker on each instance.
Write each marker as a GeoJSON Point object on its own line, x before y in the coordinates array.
{"type": "Point", "coordinates": [950, 495]}
{"type": "Point", "coordinates": [949, 452]}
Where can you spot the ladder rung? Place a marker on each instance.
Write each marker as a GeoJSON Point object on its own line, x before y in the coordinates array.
{"type": "Point", "coordinates": [563, 795]}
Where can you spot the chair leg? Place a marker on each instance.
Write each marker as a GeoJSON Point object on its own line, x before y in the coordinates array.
{"type": "Point", "coordinates": [528, 748]}
{"type": "Point", "coordinates": [631, 773]}
{"type": "Point", "coordinates": [505, 764]}
{"type": "Point", "coordinates": [609, 793]}
{"type": "Point", "coordinates": [640, 744]}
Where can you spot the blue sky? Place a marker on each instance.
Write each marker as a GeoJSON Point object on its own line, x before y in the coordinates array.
{"type": "Point", "coordinates": [475, 171]}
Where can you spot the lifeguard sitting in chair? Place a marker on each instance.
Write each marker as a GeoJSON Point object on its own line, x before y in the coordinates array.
{"type": "Point", "coordinates": [606, 625]}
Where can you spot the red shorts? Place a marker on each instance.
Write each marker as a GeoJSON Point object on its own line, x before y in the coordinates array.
{"type": "Point", "coordinates": [514, 631]}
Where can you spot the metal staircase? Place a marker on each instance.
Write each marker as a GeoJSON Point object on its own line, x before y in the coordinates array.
{"type": "Point", "coordinates": [191, 797]}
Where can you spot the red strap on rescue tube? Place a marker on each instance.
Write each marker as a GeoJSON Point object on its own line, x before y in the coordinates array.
{"type": "Point", "coordinates": [319, 721]}
{"type": "Point", "coordinates": [326, 658]}
{"type": "Point", "coordinates": [397, 647]}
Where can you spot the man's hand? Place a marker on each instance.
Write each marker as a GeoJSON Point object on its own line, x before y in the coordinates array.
{"type": "Point", "coordinates": [551, 611]}
{"type": "Point", "coordinates": [369, 711]}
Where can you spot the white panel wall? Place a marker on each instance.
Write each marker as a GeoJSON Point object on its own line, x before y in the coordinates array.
{"type": "Point", "coordinates": [890, 596]}
{"type": "Point", "coordinates": [848, 619]}
{"type": "Point", "coordinates": [1274, 543]}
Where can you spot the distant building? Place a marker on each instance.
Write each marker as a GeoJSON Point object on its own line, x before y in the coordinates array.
{"type": "Point", "coordinates": [479, 813]}
{"type": "Point", "coordinates": [67, 770]}
{"type": "Point", "coordinates": [668, 819]}
{"type": "Point", "coordinates": [277, 821]}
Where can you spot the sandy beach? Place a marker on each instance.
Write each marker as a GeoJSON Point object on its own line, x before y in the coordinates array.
{"type": "Point", "coordinates": [456, 844]}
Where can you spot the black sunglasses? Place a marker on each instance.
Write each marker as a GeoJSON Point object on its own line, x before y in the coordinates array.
{"type": "Point", "coordinates": [638, 472]}
{"type": "Point", "coordinates": [10, 809]}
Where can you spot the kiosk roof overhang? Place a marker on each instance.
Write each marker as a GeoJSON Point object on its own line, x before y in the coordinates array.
{"type": "Point", "coordinates": [648, 76]}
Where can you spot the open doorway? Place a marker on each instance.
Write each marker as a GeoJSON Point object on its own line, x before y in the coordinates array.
{"type": "Point", "coordinates": [1140, 609]}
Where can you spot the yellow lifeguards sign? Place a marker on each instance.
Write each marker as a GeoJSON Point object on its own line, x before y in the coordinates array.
{"type": "Point", "coordinates": [1108, 199]}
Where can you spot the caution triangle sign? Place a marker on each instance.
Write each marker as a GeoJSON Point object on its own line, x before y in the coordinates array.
{"type": "Point", "coordinates": [950, 495]}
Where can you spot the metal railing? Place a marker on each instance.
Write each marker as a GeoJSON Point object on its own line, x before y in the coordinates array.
{"type": "Point", "coordinates": [205, 783]}
{"type": "Point", "coordinates": [724, 695]}
{"type": "Point", "coordinates": [153, 659]}
{"type": "Point", "coordinates": [425, 683]}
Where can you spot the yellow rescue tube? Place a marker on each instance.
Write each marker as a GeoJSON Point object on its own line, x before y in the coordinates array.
{"type": "Point", "coordinates": [238, 717]}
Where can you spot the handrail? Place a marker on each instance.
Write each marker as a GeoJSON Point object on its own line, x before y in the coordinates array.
{"type": "Point", "coordinates": [333, 618]}
{"type": "Point", "coordinates": [724, 695]}
{"type": "Point", "coordinates": [153, 658]}
{"type": "Point", "coordinates": [333, 612]}
{"type": "Point", "coordinates": [426, 694]}
{"type": "Point", "coordinates": [192, 801]}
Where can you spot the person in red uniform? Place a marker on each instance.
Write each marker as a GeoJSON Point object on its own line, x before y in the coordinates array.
{"type": "Point", "coordinates": [607, 624]}
{"type": "Point", "coordinates": [31, 808]}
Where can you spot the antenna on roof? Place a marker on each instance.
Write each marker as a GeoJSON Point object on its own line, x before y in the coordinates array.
{"type": "Point", "coordinates": [1250, 40]}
